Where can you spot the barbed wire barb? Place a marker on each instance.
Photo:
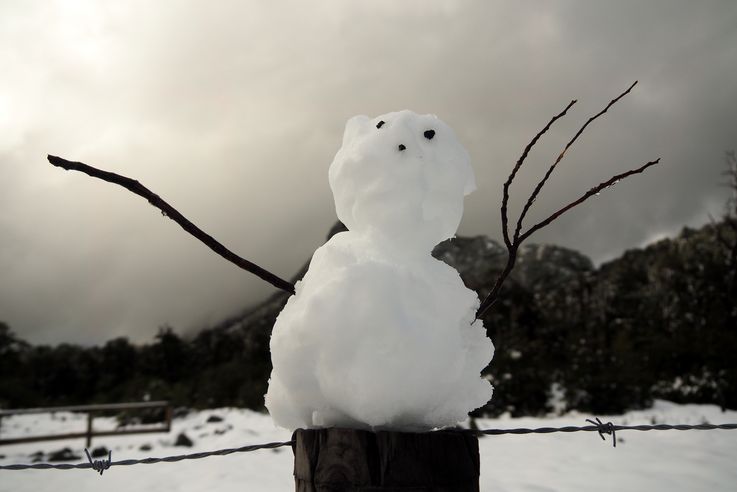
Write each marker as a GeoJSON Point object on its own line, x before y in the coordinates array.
{"type": "Point", "coordinates": [100, 465]}
{"type": "Point", "coordinates": [603, 428]}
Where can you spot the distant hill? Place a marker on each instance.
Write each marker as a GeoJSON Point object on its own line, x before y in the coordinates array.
{"type": "Point", "coordinates": [658, 322]}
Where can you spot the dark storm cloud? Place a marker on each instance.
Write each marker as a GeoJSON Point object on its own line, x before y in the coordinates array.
{"type": "Point", "coordinates": [233, 114]}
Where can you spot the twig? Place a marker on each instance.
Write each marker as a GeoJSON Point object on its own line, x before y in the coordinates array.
{"type": "Point", "coordinates": [593, 191]}
{"type": "Point", "coordinates": [519, 236]}
{"type": "Point", "coordinates": [169, 211]}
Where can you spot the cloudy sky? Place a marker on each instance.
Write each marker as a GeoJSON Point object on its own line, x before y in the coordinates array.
{"type": "Point", "coordinates": [233, 111]}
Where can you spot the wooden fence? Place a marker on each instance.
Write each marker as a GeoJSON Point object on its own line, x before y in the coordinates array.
{"type": "Point", "coordinates": [90, 410]}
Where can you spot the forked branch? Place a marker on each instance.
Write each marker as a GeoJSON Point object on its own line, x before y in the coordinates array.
{"type": "Point", "coordinates": [169, 211]}
{"type": "Point", "coordinates": [505, 199]}
{"type": "Point", "coordinates": [514, 241]}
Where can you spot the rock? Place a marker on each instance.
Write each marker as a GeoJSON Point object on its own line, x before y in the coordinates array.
{"type": "Point", "coordinates": [183, 440]}
{"type": "Point", "coordinates": [214, 418]}
{"type": "Point", "coordinates": [100, 452]}
{"type": "Point", "coordinates": [179, 412]}
{"type": "Point", "coordinates": [65, 454]}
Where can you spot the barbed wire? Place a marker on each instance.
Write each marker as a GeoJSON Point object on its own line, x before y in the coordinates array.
{"type": "Point", "coordinates": [100, 466]}
{"type": "Point", "coordinates": [607, 428]}
{"type": "Point", "coordinates": [603, 428]}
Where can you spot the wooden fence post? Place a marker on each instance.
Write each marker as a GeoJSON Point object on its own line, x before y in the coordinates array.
{"type": "Point", "coordinates": [89, 428]}
{"type": "Point", "coordinates": [332, 460]}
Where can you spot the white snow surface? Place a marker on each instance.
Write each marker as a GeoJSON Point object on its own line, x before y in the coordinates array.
{"type": "Point", "coordinates": [380, 334]}
{"type": "Point", "coordinates": [669, 461]}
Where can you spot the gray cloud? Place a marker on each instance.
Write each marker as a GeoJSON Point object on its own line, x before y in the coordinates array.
{"type": "Point", "coordinates": [234, 113]}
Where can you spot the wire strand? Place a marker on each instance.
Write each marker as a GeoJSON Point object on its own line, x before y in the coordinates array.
{"type": "Point", "coordinates": [592, 428]}
{"type": "Point", "coordinates": [148, 461]}
{"type": "Point", "coordinates": [598, 426]}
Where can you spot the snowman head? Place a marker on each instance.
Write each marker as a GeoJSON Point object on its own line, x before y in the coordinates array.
{"type": "Point", "coordinates": [402, 177]}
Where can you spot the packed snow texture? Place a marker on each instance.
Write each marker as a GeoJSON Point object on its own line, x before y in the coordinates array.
{"type": "Point", "coordinates": [671, 461]}
{"type": "Point", "coordinates": [380, 334]}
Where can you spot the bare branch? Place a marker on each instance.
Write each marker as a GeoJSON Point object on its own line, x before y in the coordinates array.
{"type": "Point", "coordinates": [518, 237]}
{"type": "Point", "coordinates": [505, 199]}
{"type": "Point", "coordinates": [593, 191]}
{"type": "Point", "coordinates": [169, 211]}
{"type": "Point", "coordinates": [542, 182]}
{"type": "Point", "coordinates": [611, 103]}
{"type": "Point", "coordinates": [493, 295]}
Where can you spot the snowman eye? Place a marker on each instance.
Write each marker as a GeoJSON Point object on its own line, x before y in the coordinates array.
{"type": "Point", "coordinates": [401, 147]}
{"type": "Point", "coordinates": [380, 124]}
{"type": "Point", "coordinates": [429, 134]}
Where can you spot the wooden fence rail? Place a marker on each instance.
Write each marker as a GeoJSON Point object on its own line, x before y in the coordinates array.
{"type": "Point", "coordinates": [90, 410]}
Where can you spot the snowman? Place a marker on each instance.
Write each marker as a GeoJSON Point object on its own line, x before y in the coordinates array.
{"type": "Point", "coordinates": [380, 335]}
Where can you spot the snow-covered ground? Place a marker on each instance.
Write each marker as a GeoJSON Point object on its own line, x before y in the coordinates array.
{"type": "Point", "coordinates": [648, 461]}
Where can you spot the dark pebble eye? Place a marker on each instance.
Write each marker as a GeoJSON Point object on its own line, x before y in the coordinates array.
{"type": "Point", "coordinates": [429, 134]}
{"type": "Point", "coordinates": [380, 124]}
{"type": "Point", "coordinates": [401, 147]}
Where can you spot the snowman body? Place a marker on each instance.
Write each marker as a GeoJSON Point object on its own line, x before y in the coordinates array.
{"type": "Point", "coordinates": [380, 335]}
